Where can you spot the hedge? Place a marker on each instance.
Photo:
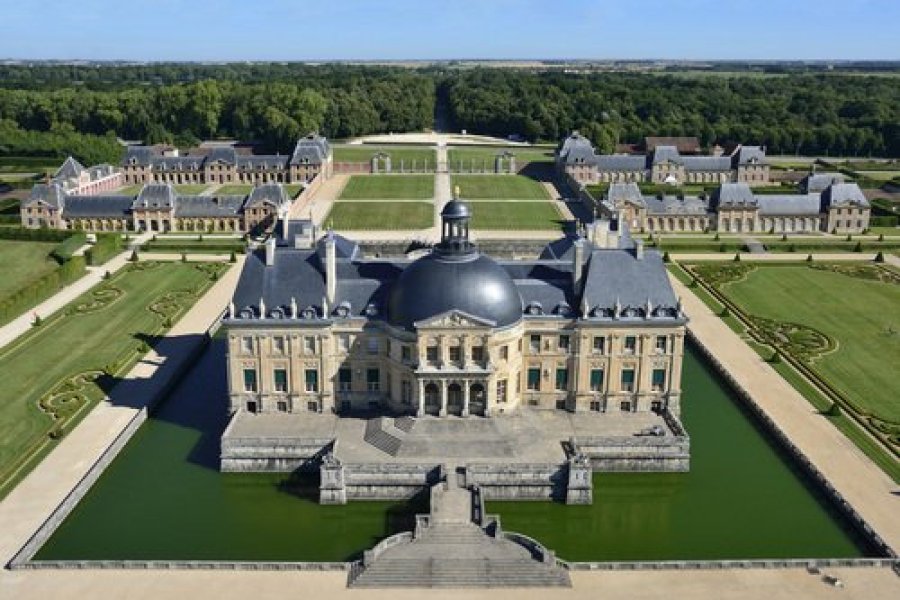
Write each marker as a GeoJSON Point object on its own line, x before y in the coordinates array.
{"type": "Point", "coordinates": [107, 246]}
{"type": "Point", "coordinates": [34, 235]}
{"type": "Point", "coordinates": [884, 221]}
{"type": "Point", "coordinates": [32, 294]}
{"type": "Point", "coordinates": [64, 249]}
{"type": "Point", "coordinates": [175, 246]}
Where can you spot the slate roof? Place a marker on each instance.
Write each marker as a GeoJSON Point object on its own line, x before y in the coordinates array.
{"type": "Point", "coordinates": [621, 162]}
{"type": "Point", "coordinates": [734, 194]}
{"type": "Point", "coordinates": [208, 206]}
{"type": "Point", "coordinates": [139, 155]}
{"type": "Point", "coordinates": [272, 193]}
{"type": "Point", "coordinates": [789, 204]}
{"type": "Point", "coordinates": [706, 163]}
{"type": "Point", "coordinates": [664, 154]}
{"type": "Point", "coordinates": [51, 194]}
{"type": "Point", "coordinates": [750, 154]}
{"type": "Point", "coordinates": [70, 169]}
{"type": "Point", "coordinates": [819, 182]}
{"type": "Point", "coordinates": [226, 154]}
{"type": "Point", "coordinates": [98, 206]}
{"type": "Point", "coordinates": [312, 149]}
{"type": "Point", "coordinates": [177, 163]}
{"type": "Point", "coordinates": [844, 194]}
{"type": "Point", "coordinates": [616, 278]}
{"type": "Point", "coordinates": [673, 205]}
{"type": "Point", "coordinates": [620, 193]}
{"type": "Point", "coordinates": [156, 195]}
{"type": "Point", "coordinates": [249, 163]}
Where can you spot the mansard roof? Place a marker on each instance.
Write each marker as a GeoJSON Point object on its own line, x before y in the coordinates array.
{"type": "Point", "coordinates": [248, 163]}
{"type": "Point", "coordinates": [621, 162]}
{"type": "Point", "coordinates": [139, 155]}
{"type": "Point", "coordinates": [666, 154]}
{"type": "Point", "coordinates": [312, 149]}
{"type": "Point", "coordinates": [577, 149]}
{"type": "Point", "coordinates": [676, 205]}
{"type": "Point", "coordinates": [750, 154]}
{"type": "Point", "coordinates": [270, 193]}
{"type": "Point", "coordinates": [706, 163]}
{"type": "Point", "coordinates": [50, 194]}
{"type": "Point", "coordinates": [625, 192]}
{"type": "Point", "coordinates": [619, 285]}
{"type": "Point", "coordinates": [733, 194]}
{"type": "Point", "coordinates": [844, 194]}
{"type": "Point", "coordinates": [208, 206]}
{"type": "Point", "coordinates": [98, 206]}
{"type": "Point", "coordinates": [177, 163]}
{"type": "Point", "coordinates": [223, 154]}
{"type": "Point", "coordinates": [819, 182]}
{"type": "Point", "coordinates": [789, 204]}
{"type": "Point", "coordinates": [70, 169]}
{"type": "Point", "coordinates": [156, 195]}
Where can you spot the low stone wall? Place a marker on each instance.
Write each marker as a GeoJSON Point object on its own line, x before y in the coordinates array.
{"type": "Point", "coordinates": [187, 565]}
{"type": "Point", "coordinates": [706, 565]}
{"type": "Point", "coordinates": [800, 459]}
{"type": "Point", "coordinates": [644, 454]}
{"type": "Point", "coordinates": [389, 481]}
{"type": "Point", "coordinates": [278, 455]}
{"type": "Point", "coordinates": [536, 481]}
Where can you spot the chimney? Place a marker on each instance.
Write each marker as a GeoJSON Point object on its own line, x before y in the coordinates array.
{"type": "Point", "coordinates": [330, 268]}
{"type": "Point", "coordinates": [577, 265]}
{"type": "Point", "coordinates": [639, 249]}
{"type": "Point", "coordinates": [601, 233]}
{"type": "Point", "coordinates": [270, 251]}
{"type": "Point", "coordinates": [285, 222]}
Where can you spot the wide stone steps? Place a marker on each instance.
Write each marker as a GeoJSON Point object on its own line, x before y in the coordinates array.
{"type": "Point", "coordinates": [460, 573]}
{"type": "Point", "coordinates": [377, 437]}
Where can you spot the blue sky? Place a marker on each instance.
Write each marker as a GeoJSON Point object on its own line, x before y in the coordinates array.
{"type": "Point", "coordinates": [429, 29]}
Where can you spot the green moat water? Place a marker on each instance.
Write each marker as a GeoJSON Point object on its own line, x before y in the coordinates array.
{"type": "Point", "coordinates": [163, 498]}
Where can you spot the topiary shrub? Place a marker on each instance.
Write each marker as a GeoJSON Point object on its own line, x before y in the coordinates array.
{"type": "Point", "coordinates": [183, 257]}
{"type": "Point", "coordinates": [792, 248]}
{"type": "Point", "coordinates": [879, 258]}
{"type": "Point", "coordinates": [737, 257]}
{"type": "Point", "coordinates": [134, 256]}
{"type": "Point", "coordinates": [666, 257]}
{"type": "Point", "coordinates": [37, 321]}
{"type": "Point", "coordinates": [776, 356]}
{"type": "Point", "coordinates": [233, 257]}
{"type": "Point", "coordinates": [716, 237]}
{"type": "Point", "coordinates": [722, 248]}
{"type": "Point", "coordinates": [107, 275]}
{"type": "Point", "coordinates": [857, 247]}
{"type": "Point", "coordinates": [725, 312]}
{"type": "Point", "coordinates": [881, 237]}
{"type": "Point", "coordinates": [849, 238]}
{"type": "Point", "coordinates": [783, 237]}
{"type": "Point", "coordinates": [809, 258]}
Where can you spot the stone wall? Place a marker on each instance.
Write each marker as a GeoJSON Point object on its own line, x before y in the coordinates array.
{"type": "Point", "coordinates": [279, 455]}
{"type": "Point", "coordinates": [534, 481]}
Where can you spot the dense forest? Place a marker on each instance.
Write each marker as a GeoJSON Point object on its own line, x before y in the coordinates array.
{"type": "Point", "coordinates": [273, 104]}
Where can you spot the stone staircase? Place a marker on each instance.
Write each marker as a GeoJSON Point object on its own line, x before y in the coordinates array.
{"type": "Point", "coordinates": [381, 439]}
{"type": "Point", "coordinates": [404, 424]}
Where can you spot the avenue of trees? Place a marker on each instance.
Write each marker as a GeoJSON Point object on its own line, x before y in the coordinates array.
{"type": "Point", "coordinates": [48, 109]}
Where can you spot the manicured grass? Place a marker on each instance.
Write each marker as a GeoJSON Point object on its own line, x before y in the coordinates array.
{"type": "Point", "coordinates": [364, 153]}
{"type": "Point", "coordinates": [234, 190]}
{"type": "Point", "coordinates": [293, 189]}
{"type": "Point", "coordinates": [67, 364]}
{"type": "Point", "coordinates": [486, 156]}
{"type": "Point", "coordinates": [380, 215]}
{"type": "Point", "coordinates": [191, 189]}
{"type": "Point", "coordinates": [516, 215]}
{"type": "Point", "coordinates": [129, 190]}
{"type": "Point", "coordinates": [884, 230]}
{"type": "Point", "coordinates": [862, 316]}
{"type": "Point", "coordinates": [392, 187]}
{"type": "Point", "coordinates": [499, 187]}
{"type": "Point", "coordinates": [22, 262]}
{"type": "Point", "coordinates": [879, 175]}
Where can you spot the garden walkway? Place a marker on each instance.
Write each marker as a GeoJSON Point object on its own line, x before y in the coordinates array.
{"type": "Point", "coordinates": [868, 489]}
{"type": "Point", "coordinates": [21, 324]}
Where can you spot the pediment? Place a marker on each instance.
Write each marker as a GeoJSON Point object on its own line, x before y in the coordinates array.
{"type": "Point", "coordinates": [454, 318]}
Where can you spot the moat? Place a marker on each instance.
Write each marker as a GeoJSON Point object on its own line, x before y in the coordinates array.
{"type": "Point", "coordinates": [164, 498]}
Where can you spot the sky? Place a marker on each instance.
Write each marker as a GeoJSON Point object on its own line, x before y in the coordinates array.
{"type": "Point", "coordinates": [315, 30]}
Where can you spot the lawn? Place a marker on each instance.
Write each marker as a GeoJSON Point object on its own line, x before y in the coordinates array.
{"type": "Point", "coordinates": [499, 187]}
{"type": "Point", "coordinates": [191, 189]}
{"type": "Point", "coordinates": [363, 153]}
{"type": "Point", "coordinates": [380, 215]}
{"type": "Point", "coordinates": [23, 262]}
{"type": "Point", "coordinates": [293, 189]}
{"type": "Point", "coordinates": [486, 156]}
{"type": "Point", "coordinates": [129, 190]}
{"type": "Point", "coordinates": [516, 215]}
{"type": "Point", "coordinates": [862, 316]}
{"type": "Point", "coordinates": [66, 364]}
{"type": "Point", "coordinates": [879, 175]}
{"type": "Point", "coordinates": [234, 190]}
{"type": "Point", "coordinates": [391, 187]}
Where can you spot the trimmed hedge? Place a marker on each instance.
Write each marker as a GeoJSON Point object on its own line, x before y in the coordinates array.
{"type": "Point", "coordinates": [191, 246]}
{"type": "Point", "coordinates": [107, 246]}
{"type": "Point", "coordinates": [34, 235]}
{"type": "Point", "coordinates": [16, 303]}
{"type": "Point", "coordinates": [884, 221]}
{"type": "Point", "coordinates": [64, 249]}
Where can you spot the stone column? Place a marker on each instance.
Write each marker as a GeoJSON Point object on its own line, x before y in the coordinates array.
{"type": "Point", "coordinates": [443, 411]}
{"type": "Point", "coordinates": [420, 412]}
{"type": "Point", "coordinates": [465, 408]}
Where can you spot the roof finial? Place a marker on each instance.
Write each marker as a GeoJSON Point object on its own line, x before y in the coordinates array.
{"type": "Point", "coordinates": [456, 192]}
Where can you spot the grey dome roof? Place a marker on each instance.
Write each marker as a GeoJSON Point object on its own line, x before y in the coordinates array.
{"type": "Point", "coordinates": [456, 209]}
{"type": "Point", "coordinates": [433, 285]}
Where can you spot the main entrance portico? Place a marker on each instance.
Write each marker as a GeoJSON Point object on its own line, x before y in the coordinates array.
{"type": "Point", "coordinates": [452, 395]}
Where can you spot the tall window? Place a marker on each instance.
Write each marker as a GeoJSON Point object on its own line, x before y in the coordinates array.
{"type": "Point", "coordinates": [309, 344]}
{"type": "Point", "coordinates": [431, 354]}
{"type": "Point", "coordinates": [372, 345]}
{"type": "Point", "coordinates": [477, 354]}
{"type": "Point", "coordinates": [405, 353]}
{"type": "Point", "coordinates": [562, 378]}
{"type": "Point", "coordinates": [630, 344]}
{"type": "Point", "coordinates": [312, 380]}
{"type": "Point", "coordinates": [563, 343]}
{"type": "Point", "coordinates": [249, 380]}
{"type": "Point", "coordinates": [373, 380]}
{"type": "Point", "coordinates": [534, 379]}
{"type": "Point", "coordinates": [627, 380]}
{"type": "Point", "coordinates": [504, 352]}
{"type": "Point", "coordinates": [596, 380]}
{"type": "Point", "coordinates": [599, 345]}
{"type": "Point", "coordinates": [501, 390]}
{"type": "Point", "coordinates": [280, 377]}
{"type": "Point", "coordinates": [406, 391]}
{"type": "Point", "coordinates": [534, 343]}
{"type": "Point", "coordinates": [246, 344]}
{"type": "Point", "coordinates": [662, 344]}
{"type": "Point", "coordinates": [278, 344]}
{"type": "Point", "coordinates": [658, 381]}
{"type": "Point", "coordinates": [455, 354]}
{"type": "Point", "coordinates": [345, 379]}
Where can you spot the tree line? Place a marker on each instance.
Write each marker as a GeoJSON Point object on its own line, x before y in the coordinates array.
{"type": "Point", "coordinates": [273, 104]}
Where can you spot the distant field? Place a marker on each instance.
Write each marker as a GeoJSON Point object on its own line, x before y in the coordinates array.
{"type": "Point", "coordinates": [190, 189]}
{"type": "Point", "coordinates": [380, 215]}
{"type": "Point", "coordinates": [879, 175]}
{"type": "Point", "coordinates": [516, 215]}
{"type": "Point", "coordinates": [363, 153]}
{"type": "Point", "coordinates": [476, 187]}
{"type": "Point", "coordinates": [486, 156]}
{"type": "Point", "coordinates": [393, 187]}
{"type": "Point", "coordinates": [234, 190]}
{"type": "Point", "coordinates": [23, 262]}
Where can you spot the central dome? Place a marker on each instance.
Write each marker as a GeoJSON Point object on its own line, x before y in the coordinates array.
{"type": "Point", "coordinates": [435, 284]}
